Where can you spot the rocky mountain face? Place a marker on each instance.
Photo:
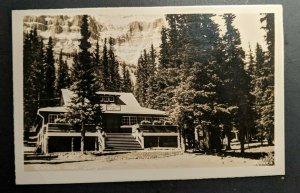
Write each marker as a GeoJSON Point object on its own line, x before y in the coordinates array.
{"type": "Point", "coordinates": [130, 37]}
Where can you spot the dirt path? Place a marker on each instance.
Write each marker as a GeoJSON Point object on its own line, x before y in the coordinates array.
{"type": "Point", "coordinates": [182, 160]}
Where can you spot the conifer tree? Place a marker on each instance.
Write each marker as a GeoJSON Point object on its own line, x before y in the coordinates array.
{"type": "Point", "coordinates": [106, 70]}
{"type": "Point", "coordinates": [173, 40]}
{"type": "Point", "coordinates": [34, 77]}
{"type": "Point", "coordinates": [140, 81]}
{"type": "Point", "coordinates": [253, 115]}
{"type": "Point", "coordinates": [63, 78]}
{"type": "Point", "coordinates": [196, 100]}
{"type": "Point", "coordinates": [98, 67]}
{"type": "Point", "coordinates": [115, 79]}
{"type": "Point", "coordinates": [237, 87]}
{"type": "Point", "coordinates": [84, 108]}
{"type": "Point", "coordinates": [30, 100]}
{"type": "Point", "coordinates": [164, 49]}
{"type": "Point", "coordinates": [268, 107]}
{"type": "Point", "coordinates": [126, 80]}
{"type": "Point", "coordinates": [152, 84]}
{"type": "Point", "coordinates": [49, 73]}
{"type": "Point", "coordinates": [259, 89]}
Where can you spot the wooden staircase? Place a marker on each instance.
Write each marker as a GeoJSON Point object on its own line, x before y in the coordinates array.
{"type": "Point", "coordinates": [121, 142]}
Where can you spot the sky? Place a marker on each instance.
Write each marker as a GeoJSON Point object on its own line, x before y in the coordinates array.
{"type": "Point", "coordinates": [248, 24]}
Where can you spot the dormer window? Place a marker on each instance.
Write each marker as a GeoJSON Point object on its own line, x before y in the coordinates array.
{"type": "Point", "coordinates": [111, 99]}
{"type": "Point", "coordinates": [106, 99]}
{"type": "Point", "coordinates": [101, 98]}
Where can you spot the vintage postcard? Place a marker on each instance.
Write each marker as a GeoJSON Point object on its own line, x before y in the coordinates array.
{"type": "Point", "coordinates": [137, 94]}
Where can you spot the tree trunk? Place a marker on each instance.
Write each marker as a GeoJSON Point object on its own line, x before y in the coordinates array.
{"type": "Point", "coordinates": [242, 140]}
{"type": "Point", "coordinates": [270, 137]}
{"type": "Point", "coordinates": [228, 143]}
{"type": "Point", "coordinates": [262, 137]}
{"type": "Point", "coordinates": [228, 134]}
{"type": "Point", "coordinates": [82, 138]}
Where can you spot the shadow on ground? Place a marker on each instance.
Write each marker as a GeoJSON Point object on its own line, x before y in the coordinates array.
{"type": "Point", "coordinates": [232, 153]}
{"type": "Point", "coordinates": [249, 155]}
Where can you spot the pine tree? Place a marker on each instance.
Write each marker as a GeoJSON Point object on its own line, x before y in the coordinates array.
{"type": "Point", "coordinates": [28, 79]}
{"type": "Point", "coordinates": [237, 87]}
{"type": "Point", "coordinates": [98, 67]}
{"type": "Point", "coordinates": [268, 107]}
{"type": "Point", "coordinates": [196, 101]}
{"type": "Point", "coordinates": [63, 78]}
{"type": "Point", "coordinates": [253, 115]}
{"type": "Point", "coordinates": [126, 80]}
{"type": "Point", "coordinates": [151, 82]}
{"type": "Point", "coordinates": [34, 79]}
{"type": "Point", "coordinates": [115, 79]}
{"type": "Point", "coordinates": [106, 70]}
{"type": "Point", "coordinates": [164, 49]}
{"type": "Point", "coordinates": [140, 81]}
{"type": "Point", "coordinates": [49, 73]}
{"type": "Point", "coordinates": [260, 83]}
{"type": "Point", "coordinates": [84, 108]}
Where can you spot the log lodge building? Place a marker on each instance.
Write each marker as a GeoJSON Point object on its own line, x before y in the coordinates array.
{"type": "Point", "coordinates": [126, 126]}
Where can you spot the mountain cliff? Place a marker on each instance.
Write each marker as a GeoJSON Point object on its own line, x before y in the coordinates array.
{"type": "Point", "coordinates": [131, 34]}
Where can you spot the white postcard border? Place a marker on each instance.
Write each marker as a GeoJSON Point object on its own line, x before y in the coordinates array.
{"type": "Point", "coordinates": [87, 176]}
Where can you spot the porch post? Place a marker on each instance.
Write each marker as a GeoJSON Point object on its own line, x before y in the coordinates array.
{"type": "Point", "coordinates": [46, 138]}
{"type": "Point", "coordinates": [72, 144]}
{"type": "Point", "coordinates": [178, 141]}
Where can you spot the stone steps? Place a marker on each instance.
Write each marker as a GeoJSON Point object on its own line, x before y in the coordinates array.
{"type": "Point", "coordinates": [121, 142]}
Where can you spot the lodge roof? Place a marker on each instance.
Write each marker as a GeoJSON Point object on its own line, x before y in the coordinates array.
{"type": "Point", "coordinates": [129, 106]}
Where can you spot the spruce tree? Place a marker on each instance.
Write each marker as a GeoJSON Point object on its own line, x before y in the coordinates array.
{"type": "Point", "coordinates": [98, 67]}
{"type": "Point", "coordinates": [196, 101]}
{"type": "Point", "coordinates": [164, 49]}
{"type": "Point", "coordinates": [140, 81]}
{"type": "Point", "coordinates": [253, 116]}
{"type": "Point", "coordinates": [237, 81]}
{"type": "Point", "coordinates": [34, 77]}
{"type": "Point", "coordinates": [63, 78]}
{"type": "Point", "coordinates": [126, 80]}
{"type": "Point", "coordinates": [50, 73]}
{"type": "Point", "coordinates": [268, 107]}
{"type": "Point", "coordinates": [115, 79]}
{"type": "Point", "coordinates": [30, 105]}
{"type": "Point", "coordinates": [261, 85]}
{"type": "Point", "coordinates": [84, 108]}
{"type": "Point", "coordinates": [106, 70]}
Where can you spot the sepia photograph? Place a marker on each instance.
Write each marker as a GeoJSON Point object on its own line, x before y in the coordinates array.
{"type": "Point", "coordinates": [152, 93]}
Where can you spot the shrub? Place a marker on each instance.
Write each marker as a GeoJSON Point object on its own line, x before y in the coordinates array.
{"type": "Point", "coordinates": [145, 122]}
{"type": "Point", "coordinates": [156, 122]}
{"type": "Point", "coordinates": [268, 159]}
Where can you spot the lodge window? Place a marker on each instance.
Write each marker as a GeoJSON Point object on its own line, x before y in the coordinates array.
{"type": "Point", "coordinates": [52, 118]}
{"type": "Point", "coordinates": [158, 118]}
{"type": "Point", "coordinates": [148, 119]}
{"type": "Point", "coordinates": [111, 99]}
{"type": "Point", "coordinates": [101, 98]}
{"type": "Point", "coordinates": [125, 121]}
{"type": "Point", "coordinates": [132, 120]}
{"type": "Point", "coordinates": [129, 120]}
{"type": "Point", "coordinates": [106, 98]}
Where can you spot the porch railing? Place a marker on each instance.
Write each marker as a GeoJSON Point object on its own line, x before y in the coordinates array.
{"type": "Point", "coordinates": [63, 127]}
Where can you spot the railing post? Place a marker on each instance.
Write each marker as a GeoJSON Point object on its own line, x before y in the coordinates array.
{"type": "Point", "coordinates": [101, 140]}
{"type": "Point", "coordinates": [46, 138]}
{"type": "Point", "coordinates": [142, 141]}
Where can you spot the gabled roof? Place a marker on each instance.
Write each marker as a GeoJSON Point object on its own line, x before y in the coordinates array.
{"type": "Point", "coordinates": [129, 106]}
